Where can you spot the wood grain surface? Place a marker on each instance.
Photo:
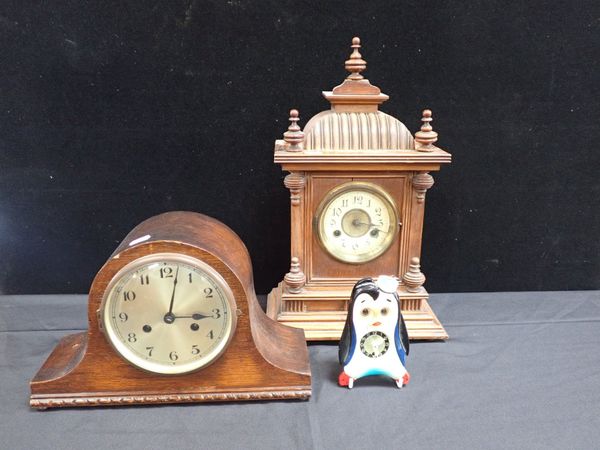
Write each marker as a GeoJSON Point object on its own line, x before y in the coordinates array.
{"type": "Point", "coordinates": [264, 360]}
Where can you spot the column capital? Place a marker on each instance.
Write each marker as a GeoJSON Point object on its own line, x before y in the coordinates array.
{"type": "Point", "coordinates": [421, 182]}
{"type": "Point", "coordinates": [295, 182]}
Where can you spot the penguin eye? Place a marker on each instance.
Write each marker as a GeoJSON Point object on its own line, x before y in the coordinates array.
{"type": "Point", "coordinates": [384, 312]}
{"type": "Point", "coordinates": [365, 312]}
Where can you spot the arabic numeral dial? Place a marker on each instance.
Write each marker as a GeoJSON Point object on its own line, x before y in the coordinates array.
{"type": "Point", "coordinates": [168, 313]}
{"type": "Point", "coordinates": [357, 222]}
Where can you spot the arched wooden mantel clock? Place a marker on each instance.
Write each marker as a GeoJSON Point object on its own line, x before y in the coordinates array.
{"type": "Point", "coordinates": [357, 180]}
{"type": "Point", "coordinates": [173, 318]}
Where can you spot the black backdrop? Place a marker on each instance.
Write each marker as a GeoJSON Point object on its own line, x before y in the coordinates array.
{"type": "Point", "coordinates": [111, 112]}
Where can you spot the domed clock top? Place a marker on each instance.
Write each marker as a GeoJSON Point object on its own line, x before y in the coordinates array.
{"type": "Point", "coordinates": [354, 122]}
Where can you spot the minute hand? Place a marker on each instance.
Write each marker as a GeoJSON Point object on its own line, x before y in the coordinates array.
{"type": "Point", "coordinates": [173, 294]}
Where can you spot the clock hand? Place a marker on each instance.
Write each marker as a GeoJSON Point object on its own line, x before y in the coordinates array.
{"type": "Point", "coordinates": [357, 222]}
{"type": "Point", "coordinates": [196, 316]}
{"type": "Point", "coordinates": [169, 316]}
{"type": "Point", "coordinates": [173, 294]}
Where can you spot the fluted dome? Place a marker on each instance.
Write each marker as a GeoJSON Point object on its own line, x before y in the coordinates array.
{"type": "Point", "coordinates": [375, 130]}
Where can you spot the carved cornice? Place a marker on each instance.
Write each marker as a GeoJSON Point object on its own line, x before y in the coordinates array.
{"type": "Point", "coordinates": [67, 402]}
{"type": "Point", "coordinates": [421, 182]}
{"type": "Point", "coordinates": [308, 157]}
{"type": "Point", "coordinates": [295, 182]}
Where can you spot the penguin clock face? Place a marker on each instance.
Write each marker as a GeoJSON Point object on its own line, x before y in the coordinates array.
{"type": "Point", "coordinates": [374, 344]}
{"type": "Point", "coordinates": [168, 313]}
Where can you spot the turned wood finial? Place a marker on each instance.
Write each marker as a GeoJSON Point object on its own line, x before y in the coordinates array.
{"type": "Point", "coordinates": [426, 136]}
{"type": "Point", "coordinates": [355, 65]}
{"type": "Point", "coordinates": [295, 278]}
{"type": "Point", "coordinates": [356, 93]}
{"type": "Point", "coordinates": [414, 278]}
{"type": "Point", "coordinates": [294, 136]}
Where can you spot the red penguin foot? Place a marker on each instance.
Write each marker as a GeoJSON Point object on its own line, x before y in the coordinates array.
{"type": "Point", "coordinates": [343, 379]}
{"type": "Point", "coordinates": [405, 379]}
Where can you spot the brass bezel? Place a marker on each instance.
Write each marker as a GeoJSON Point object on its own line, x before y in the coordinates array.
{"type": "Point", "coordinates": [364, 186]}
{"type": "Point", "coordinates": [124, 352]}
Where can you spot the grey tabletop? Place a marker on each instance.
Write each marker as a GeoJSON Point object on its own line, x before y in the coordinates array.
{"type": "Point", "coordinates": [521, 370]}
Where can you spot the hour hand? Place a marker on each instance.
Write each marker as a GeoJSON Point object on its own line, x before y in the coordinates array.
{"type": "Point", "coordinates": [371, 225]}
{"type": "Point", "coordinates": [196, 316]}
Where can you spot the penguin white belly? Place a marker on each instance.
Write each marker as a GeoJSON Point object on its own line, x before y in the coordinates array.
{"type": "Point", "coordinates": [378, 358]}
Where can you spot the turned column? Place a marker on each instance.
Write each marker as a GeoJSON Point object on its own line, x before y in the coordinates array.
{"type": "Point", "coordinates": [421, 182]}
{"type": "Point", "coordinates": [295, 182]}
{"type": "Point", "coordinates": [295, 278]}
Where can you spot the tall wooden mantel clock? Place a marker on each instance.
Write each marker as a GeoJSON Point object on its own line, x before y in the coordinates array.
{"type": "Point", "coordinates": [358, 180]}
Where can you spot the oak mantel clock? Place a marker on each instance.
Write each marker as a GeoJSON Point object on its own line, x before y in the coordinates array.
{"type": "Point", "coordinates": [357, 179]}
{"type": "Point", "coordinates": [173, 318]}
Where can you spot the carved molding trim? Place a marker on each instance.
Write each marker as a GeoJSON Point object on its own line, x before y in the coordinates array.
{"type": "Point", "coordinates": [411, 304]}
{"type": "Point", "coordinates": [295, 278]}
{"type": "Point", "coordinates": [66, 402]}
{"type": "Point", "coordinates": [421, 182]}
{"type": "Point", "coordinates": [294, 306]}
{"type": "Point", "coordinates": [295, 182]}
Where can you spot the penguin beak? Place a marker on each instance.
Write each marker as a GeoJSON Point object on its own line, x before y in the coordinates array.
{"type": "Point", "coordinates": [376, 324]}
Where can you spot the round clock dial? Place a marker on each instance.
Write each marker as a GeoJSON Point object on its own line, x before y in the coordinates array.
{"type": "Point", "coordinates": [356, 222]}
{"type": "Point", "coordinates": [374, 344]}
{"type": "Point", "coordinates": [168, 313]}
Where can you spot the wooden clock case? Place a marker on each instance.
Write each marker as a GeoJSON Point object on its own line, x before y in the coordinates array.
{"type": "Point", "coordinates": [354, 141]}
{"type": "Point", "coordinates": [264, 360]}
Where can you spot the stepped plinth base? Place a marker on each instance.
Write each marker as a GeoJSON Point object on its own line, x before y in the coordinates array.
{"type": "Point", "coordinates": [321, 312]}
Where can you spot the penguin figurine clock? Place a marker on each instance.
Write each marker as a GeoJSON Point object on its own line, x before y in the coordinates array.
{"type": "Point", "coordinates": [173, 318]}
{"type": "Point", "coordinates": [374, 340]}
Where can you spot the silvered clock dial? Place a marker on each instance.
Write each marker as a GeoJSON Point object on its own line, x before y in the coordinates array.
{"type": "Point", "coordinates": [168, 313]}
